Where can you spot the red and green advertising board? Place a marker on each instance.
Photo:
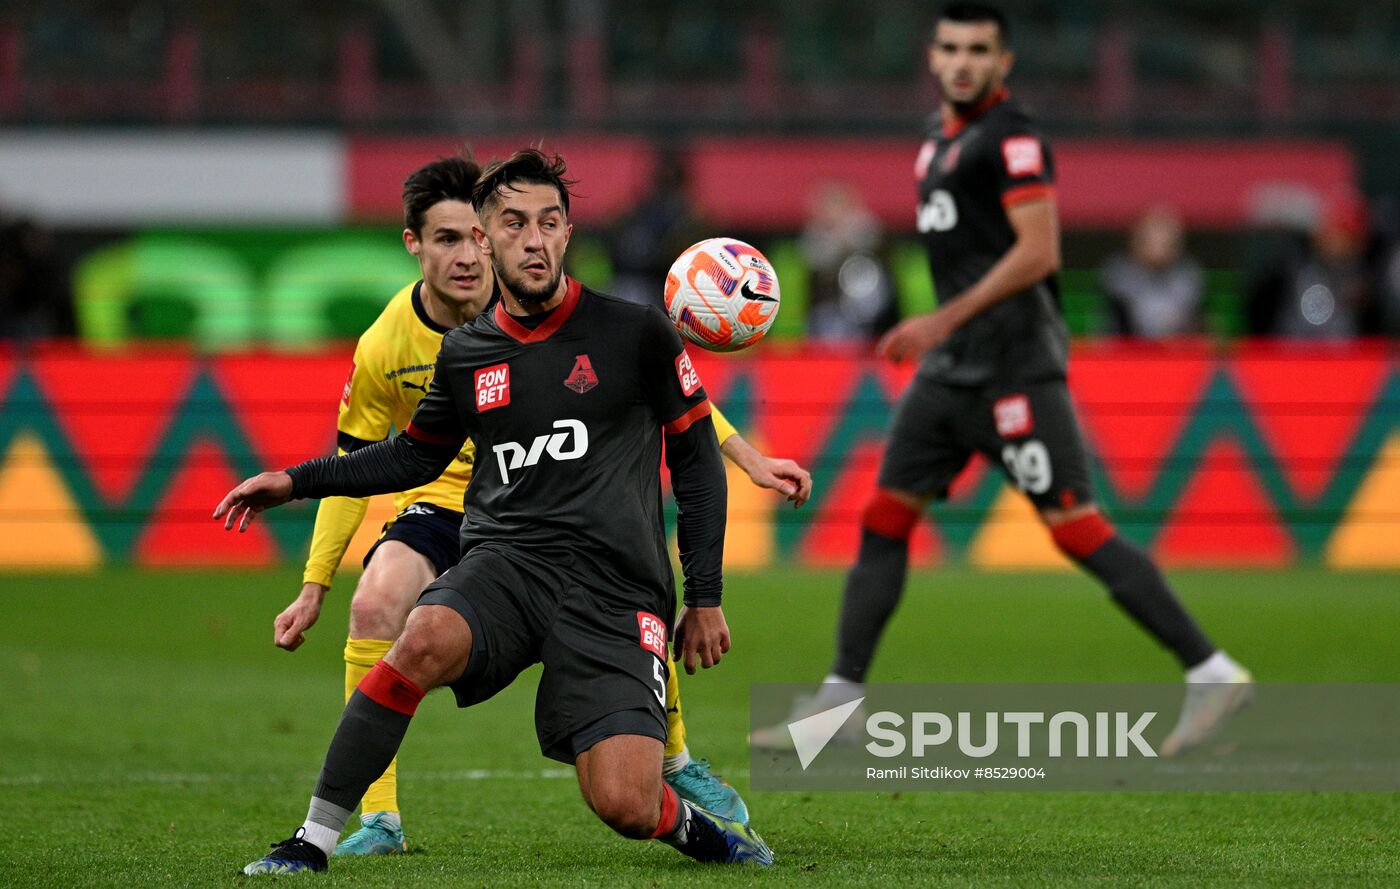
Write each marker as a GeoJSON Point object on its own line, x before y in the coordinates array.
{"type": "Point", "coordinates": [1257, 454]}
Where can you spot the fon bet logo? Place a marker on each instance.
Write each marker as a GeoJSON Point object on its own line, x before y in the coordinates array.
{"type": "Point", "coordinates": [1013, 416]}
{"type": "Point", "coordinates": [492, 386]}
{"type": "Point", "coordinates": [1023, 156]}
{"type": "Point", "coordinates": [687, 374]}
{"type": "Point", "coordinates": [570, 443]}
{"type": "Point", "coordinates": [652, 632]}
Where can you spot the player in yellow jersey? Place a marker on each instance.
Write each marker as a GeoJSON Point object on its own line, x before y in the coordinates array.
{"type": "Point", "coordinates": [392, 367]}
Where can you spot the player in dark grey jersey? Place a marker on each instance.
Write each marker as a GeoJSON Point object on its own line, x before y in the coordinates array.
{"type": "Point", "coordinates": [992, 379]}
{"type": "Point", "coordinates": [567, 395]}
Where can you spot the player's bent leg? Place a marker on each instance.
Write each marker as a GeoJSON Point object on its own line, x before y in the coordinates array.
{"type": "Point", "coordinates": [692, 778]}
{"type": "Point", "coordinates": [394, 576]}
{"type": "Point", "coordinates": [675, 755]}
{"type": "Point", "coordinates": [620, 777]}
{"type": "Point", "coordinates": [1217, 686]}
{"type": "Point", "coordinates": [434, 650]}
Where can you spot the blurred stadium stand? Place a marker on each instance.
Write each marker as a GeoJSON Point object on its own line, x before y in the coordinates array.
{"type": "Point", "coordinates": [357, 93]}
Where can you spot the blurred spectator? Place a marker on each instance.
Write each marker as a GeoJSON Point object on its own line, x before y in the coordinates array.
{"type": "Point", "coordinates": [1325, 289]}
{"type": "Point", "coordinates": [849, 289]}
{"type": "Point", "coordinates": [34, 297]}
{"type": "Point", "coordinates": [1155, 290]}
{"type": "Point", "coordinates": [1387, 225]}
{"type": "Point", "coordinates": [647, 240]}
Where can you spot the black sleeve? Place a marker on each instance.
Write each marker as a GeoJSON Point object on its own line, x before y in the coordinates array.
{"type": "Point", "coordinates": [692, 455]}
{"type": "Point", "coordinates": [414, 457]}
{"type": "Point", "coordinates": [385, 467]}
{"type": "Point", "coordinates": [697, 479]}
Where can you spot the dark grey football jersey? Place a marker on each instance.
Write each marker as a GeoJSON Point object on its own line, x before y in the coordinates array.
{"type": "Point", "coordinates": [567, 418]}
{"type": "Point", "coordinates": [969, 172]}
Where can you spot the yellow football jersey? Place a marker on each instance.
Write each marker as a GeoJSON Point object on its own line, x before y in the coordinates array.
{"type": "Point", "coordinates": [393, 365]}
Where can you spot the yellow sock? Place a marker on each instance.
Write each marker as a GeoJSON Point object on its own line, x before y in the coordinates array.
{"type": "Point", "coordinates": [675, 724]}
{"type": "Point", "coordinates": [360, 656]}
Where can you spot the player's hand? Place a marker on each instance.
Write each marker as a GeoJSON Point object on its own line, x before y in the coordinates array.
{"type": "Point", "coordinates": [784, 476]}
{"type": "Point", "coordinates": [701, 634]}
{"type": "Point", "coordinates": [252, 497]}
{"type": "Point", "coordinates": [289, 628]}
{"type": "Point", "coordinates": [915, 336]}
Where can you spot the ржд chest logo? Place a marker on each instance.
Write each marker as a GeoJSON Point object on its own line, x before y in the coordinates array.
{"type": "Point", "coordinates": [512, 455]}
{"type": "Point", "coordinates": [492, 387]}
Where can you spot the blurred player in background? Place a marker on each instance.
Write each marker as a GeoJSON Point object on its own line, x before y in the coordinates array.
{"type": "Point", "coordinates": [992, 380]}
{"type": "Point", "coordinates": [564, 557]}
{"type": "Point", "coordinates": [393, 367]}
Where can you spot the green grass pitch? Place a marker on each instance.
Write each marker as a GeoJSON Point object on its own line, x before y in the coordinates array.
{"type": "Point", "coordinates": [150, 735]}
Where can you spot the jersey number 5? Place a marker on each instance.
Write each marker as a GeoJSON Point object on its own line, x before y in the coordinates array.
{"type": "Point", "coordinates": [660, 676]}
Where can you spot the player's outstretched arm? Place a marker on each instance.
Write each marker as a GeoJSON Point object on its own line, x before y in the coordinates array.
{"type": "Point", "coordinates": [701, 635]}
{"type": "Point", "coordinates": [251, 497]}
{"type": "Point", "coordinates": [785, 476]}
{"type": "Point", "coordinates": [397, 464]}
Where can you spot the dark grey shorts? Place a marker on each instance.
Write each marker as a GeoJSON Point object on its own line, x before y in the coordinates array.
{"type": "Point", "coordinates": [1029, 430]}
{"type": "Point", "coordinates": [599, 659]}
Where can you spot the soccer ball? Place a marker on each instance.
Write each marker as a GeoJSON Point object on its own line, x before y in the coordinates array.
{"type": "Point", "coordinates": [722, 294]}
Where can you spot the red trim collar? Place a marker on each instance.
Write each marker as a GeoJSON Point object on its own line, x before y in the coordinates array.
{"type": "Point", "coordinates": [523, 334]}
{"type": "Point", "coordinates": [955, 123]}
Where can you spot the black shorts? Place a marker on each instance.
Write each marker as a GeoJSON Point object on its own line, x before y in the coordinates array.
{"type": "Point", "coordinates": [604, 665]}
{"type": "Point", "coordinates": [1029, 430]}
{"type": "Point", "coordinates": [432, 531]}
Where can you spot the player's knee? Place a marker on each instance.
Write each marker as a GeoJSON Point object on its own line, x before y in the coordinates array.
{"type": "Point", "coordinates": [625, 808]}
{"type": "Point", "coordinates": [379, 608]}
{"type": "Point", "coordinates": [434, 648]}
{"type": "Point", "coordinates": [891, 514]}
{"type": "Point", "coordinates": [369, 617]}
{"type": "Point", "coordinates": [1080, 535]}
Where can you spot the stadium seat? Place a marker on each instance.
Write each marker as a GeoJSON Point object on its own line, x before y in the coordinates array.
{"type": "Point", "coordinates": [163, 287]}
{"type": "Point", "coordinates": [334, 288]}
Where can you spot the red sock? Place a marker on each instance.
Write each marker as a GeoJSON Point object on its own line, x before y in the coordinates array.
{"type": "Point", "coordinates": [389, 688]}
{"type": "Point", "coordinates": [670, 813]}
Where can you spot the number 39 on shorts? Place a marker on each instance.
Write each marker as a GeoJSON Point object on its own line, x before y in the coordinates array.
{"type": "Point", "coordinates": [1029, 465]}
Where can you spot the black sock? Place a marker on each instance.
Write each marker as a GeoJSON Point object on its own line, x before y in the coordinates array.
{"type": "Point", "coordinates": [695, 836]}
{"type": "Point", "coordinates": [1137, 585]}
{"type": "Point", "coordinates": [873, 588]}
{"type": "Point", "coordinates": [365, 742]}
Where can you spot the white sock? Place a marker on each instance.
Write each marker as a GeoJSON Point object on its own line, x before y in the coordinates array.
{"type": "Point", "coordinates": [320, 836]}
{"type": "Point", "coordinates": [1219, 667]}
{"type": "Point", "coordinates": [837, 690]}
{"type": "Point", "coordinates": [672, 764]}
